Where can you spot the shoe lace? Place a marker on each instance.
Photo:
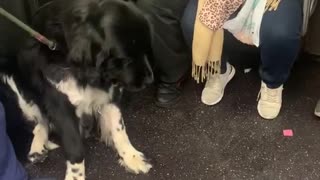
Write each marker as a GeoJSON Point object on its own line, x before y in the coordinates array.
{"type": "Point", "coordinates": [270, 95]}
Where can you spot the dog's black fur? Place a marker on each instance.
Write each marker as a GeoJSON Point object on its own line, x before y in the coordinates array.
{"type": "Point", "coordinates": [105, 46]}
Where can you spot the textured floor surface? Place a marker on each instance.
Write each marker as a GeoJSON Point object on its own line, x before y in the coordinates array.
{"type": "Point", "coordinates": [227, 141]}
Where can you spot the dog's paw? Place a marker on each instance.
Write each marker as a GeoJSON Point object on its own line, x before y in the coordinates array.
{"type": "Point", "coordinates": [135, 162]}
{"type": "Point", "coordinates": [75, 171]}
{"type": "Point", "coordinates": [51, 145]}
{"type": "Point", "coordinates": [36, 157]}
{"type": "Point", "coordinates": [74, 177]}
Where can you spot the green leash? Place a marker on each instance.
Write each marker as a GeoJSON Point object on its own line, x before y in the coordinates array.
{"type": "Point", "coordinates": [51, 44]}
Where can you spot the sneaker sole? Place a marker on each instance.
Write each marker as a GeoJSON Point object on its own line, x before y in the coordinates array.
{"type": "Point", "coordinates": [317, 114]}
{"type": "Point", "coordinates": [230, 77]}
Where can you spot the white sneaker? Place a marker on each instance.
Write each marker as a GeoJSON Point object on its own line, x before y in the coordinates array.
{"type": "Point", "coordinates": [270, 101]}
{"type": "Point", "coordinates": [215, 85]}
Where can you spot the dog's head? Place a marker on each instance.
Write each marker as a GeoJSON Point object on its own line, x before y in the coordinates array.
{"type": "Point", "coordinates": [115, 37]}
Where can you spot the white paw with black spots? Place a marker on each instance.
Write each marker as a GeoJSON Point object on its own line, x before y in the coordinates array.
{"type": "Point", "coordinates": [36, 157]}
{"type": "Point", "coordinates": [72, 176]}
{"type": "Point", "coordinates": [135, 162]}
{"type": "Point", "coordinates": [75, 171]}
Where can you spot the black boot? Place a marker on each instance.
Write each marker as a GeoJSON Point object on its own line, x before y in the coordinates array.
{"type": "Point", "coordinates": [317, 110]}
{"type": "Point", "coordinates": [168, 94]}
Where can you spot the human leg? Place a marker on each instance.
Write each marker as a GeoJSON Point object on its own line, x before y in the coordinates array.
{"type": "Point", "coordinates": [10, 167]}
{"type": "Point", "coordinates": [171, 55]}
{"type": "Point", "coordinates": [214, 89]}
{"type": "Point", "coordinates": [280, 42]}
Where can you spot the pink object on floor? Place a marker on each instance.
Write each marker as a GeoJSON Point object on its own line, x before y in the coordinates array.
{"type": "Point", "coordinates": [288, 132]}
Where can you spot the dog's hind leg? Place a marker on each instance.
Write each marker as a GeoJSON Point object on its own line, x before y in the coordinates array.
{"type": "Point", "coordinates": [113, 132]}
{"type": "Point", "coordinates": [38, 152]}
{"type": "Point", "coordinates": [40, 143]}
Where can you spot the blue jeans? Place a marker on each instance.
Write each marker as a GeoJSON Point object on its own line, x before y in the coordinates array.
{"type": "Point", "coordinates": [10, 167]}
{"type": "Point", "coordinates": [280, 36]}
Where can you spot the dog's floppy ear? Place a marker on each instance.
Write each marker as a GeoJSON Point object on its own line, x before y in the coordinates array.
{"type": "Point", "coordinates": [80, 34]}
{"type": "Point", "coordinates": [80, 14]}
{"type": "Point", "coordinates": [82, 9]}
{"type": "Point", "coordinates": [80, 46]}
{"type": "Point", "coordinates": [76, 32]}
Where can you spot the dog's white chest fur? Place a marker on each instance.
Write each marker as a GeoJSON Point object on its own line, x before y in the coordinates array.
{"type": "Point", "coordinates": [86, 99]}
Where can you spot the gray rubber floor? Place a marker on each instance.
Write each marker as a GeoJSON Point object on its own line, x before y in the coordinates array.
{"type": "Point", "coordinates": [227, 141]}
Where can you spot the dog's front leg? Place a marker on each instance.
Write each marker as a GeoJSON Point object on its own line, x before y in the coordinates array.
{"type": "Point", "coordinates": [40, 143]}
{"type": "Point", "coordinates": [62, 114]}
{"type": "Point", "coordinates": [113, 132]}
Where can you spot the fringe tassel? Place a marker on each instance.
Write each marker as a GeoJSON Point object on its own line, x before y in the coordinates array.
{"type": "Point", "coordinates": [201, 73]}
{"type": "Point", "coordinates": [272, 5]}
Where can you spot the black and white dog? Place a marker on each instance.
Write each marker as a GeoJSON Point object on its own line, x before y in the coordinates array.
{"type": "Point", "coordinates": [104, 47]}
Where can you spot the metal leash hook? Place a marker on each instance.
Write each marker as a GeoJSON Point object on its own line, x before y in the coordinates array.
{"type": "Point", "coordinates": [51, 44]}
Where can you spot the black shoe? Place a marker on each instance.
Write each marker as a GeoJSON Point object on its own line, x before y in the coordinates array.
{"type": "Point", "coordinates": [317, 110]}
{"type": "Point", "coordinates": [168, 94]}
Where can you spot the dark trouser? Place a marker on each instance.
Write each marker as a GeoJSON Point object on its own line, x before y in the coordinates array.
{"type": "Point", "coordinates": [10, 168]}
{"type": "Point", "coordinates": [11, 35]}
{"type": "Point", "coordinates": [172, 58]}
{"type": "Point", "coordinates": [279, 39]}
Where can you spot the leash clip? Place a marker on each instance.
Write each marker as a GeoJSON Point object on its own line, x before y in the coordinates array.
{"type": "Point", "coordinates": [52, 46]}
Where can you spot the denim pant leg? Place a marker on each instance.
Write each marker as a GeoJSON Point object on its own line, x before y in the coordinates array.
{"type": "Point", "coordinates": [187, 24]}
{"type": "Point", "coordinates": [280, 42]}
{"type": "Point", "coordinates": [10, 167]}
